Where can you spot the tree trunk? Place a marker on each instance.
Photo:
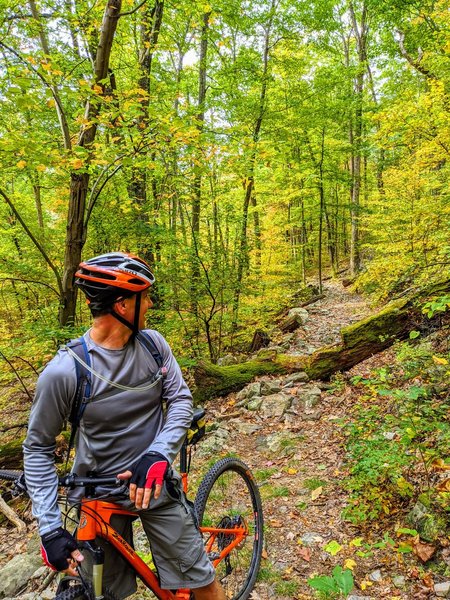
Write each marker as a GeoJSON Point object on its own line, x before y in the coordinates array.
{"type": "Point", "coordinates": [76, 225]}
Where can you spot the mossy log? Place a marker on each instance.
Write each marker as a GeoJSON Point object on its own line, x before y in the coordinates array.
{"type": "Point", "coordinates": [212, 381]}
{"type": "Point", "coordinates": [359, 341]}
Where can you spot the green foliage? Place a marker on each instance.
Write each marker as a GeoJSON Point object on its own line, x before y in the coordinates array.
{"type": "Point", "coordinates": [438, 305]}
{"type": "Point", "coordinates": [386, 446]}
{"type": "Point", "coordinates": [338, 585]}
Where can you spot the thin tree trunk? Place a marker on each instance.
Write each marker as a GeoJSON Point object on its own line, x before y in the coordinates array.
{"type": "Point", "coordinates": [242, 258]}
{"type": "Point", "coordinates": [360, 31]}
{"type": "Point", "coordinates": [76, 226]}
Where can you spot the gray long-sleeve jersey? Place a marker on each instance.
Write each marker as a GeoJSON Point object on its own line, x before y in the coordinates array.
{"type": "Point", "coordinates": [117, 427]}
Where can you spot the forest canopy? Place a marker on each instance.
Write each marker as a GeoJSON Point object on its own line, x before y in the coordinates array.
{"type": "Point", "coordinates": [242, 148]}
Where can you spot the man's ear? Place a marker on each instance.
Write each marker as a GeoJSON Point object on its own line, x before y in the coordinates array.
{"type": "Point", "coordinates": [120, 306]}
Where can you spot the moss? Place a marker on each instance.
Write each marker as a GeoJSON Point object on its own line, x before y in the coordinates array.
{"type": "Point", "coordinates": [389, 323]}
{"type": "Point", "coordinates": [212, 380]}
{"type": "Point", "coordinates": [11, 455]}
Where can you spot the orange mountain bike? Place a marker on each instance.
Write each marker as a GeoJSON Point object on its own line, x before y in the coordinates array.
{"type": "Point", "coordinates": [228, 508]}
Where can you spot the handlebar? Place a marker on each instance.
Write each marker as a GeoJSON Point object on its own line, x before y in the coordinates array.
{"type": "Point", "coordinates": [96, 485]}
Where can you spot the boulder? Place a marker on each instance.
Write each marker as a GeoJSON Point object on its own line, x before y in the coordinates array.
{"type": "Point", "coordinates": [18, 571]}
{"type": "Point", "coordinates": [274, 406]}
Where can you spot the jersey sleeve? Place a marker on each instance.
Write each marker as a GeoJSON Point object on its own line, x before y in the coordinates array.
{"type": "Point", "coordinates": [55, 390]}
{"type": "Point", "coordinates": [178, 399]}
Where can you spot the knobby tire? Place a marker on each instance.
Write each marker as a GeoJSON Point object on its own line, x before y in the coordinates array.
{"type": "Point", "coordinates": [229, 494]}
{"type": "Point", "coordinates": [78, 592]}
{"type": "Point", "coordinates": [10, 475]}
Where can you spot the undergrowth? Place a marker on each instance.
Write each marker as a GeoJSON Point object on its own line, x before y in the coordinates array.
{"type": "Point", "coordinates": [398, 435]}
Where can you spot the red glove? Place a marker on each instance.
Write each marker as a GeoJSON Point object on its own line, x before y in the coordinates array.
{"type": "Point", "coordinates": [149, 470]}
{"type": "Point", "coordinates": [57, 547]}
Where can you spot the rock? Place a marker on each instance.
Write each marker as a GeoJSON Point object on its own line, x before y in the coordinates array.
{"type": "Point", "coordinates": [270, 387]}
{"type": "Point", "coordinates": [376, 576]}
{"type": "Point", "coordinates": [357, 597]}
{"type": "Point", "coordinates": [278, 444]}
{"type": "Point", "coordinates": [254, 403]}
{"type": "Point", "coordinates": [310, 538]}
{"type": "Point", "coordinates": [442, 590]}
{"type": "Point", "coordinates": [275, 405]}
{"type": "Point", "coordinates": [213, 443]}
{"type": "Point", "coordinates": [301, 314]}
{"type": "Point", "coordinates": [399, 581]}
{"type": "Point", "coordinates": [253, 389]}
{"type": "Point", "coordinates": [244, 427]}
{"type": "Point", "coordinates": [271, 349]}
{"type": "Point", "coordinates": [389, 435]}
{"type": "Point", "coordinates": [310, 396]}
{"type": "Point", "coordinates": [40, 572]}
{"type": "Point", "coordinates": [227, 360]}
{"type": "Point", "coordinates": [428, 524]}
{"type": "Point", "coordinates": [17, 571]}
{"type": "Point", "coordinates": [297, 377]}
{"type": "Point", "coordinates": [312, 415]}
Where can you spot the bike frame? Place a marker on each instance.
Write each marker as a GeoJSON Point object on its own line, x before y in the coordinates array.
{"type": "Point", "coordinates": [95, 521]}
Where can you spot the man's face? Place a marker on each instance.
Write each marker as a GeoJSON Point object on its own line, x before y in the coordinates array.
{"type": "Point", "coordinates": [130, 305]}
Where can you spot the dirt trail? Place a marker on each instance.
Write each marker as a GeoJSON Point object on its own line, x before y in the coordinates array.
{"type": "Point", "coordinates": [301, 493]}
{"type": "Point", "coordinates": [301, 480]}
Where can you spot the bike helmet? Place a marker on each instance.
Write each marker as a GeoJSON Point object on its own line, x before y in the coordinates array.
{"type": "Point", "coordinates": [106, 278]}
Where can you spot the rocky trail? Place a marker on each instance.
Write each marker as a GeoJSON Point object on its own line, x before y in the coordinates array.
{"type": "Point", "coordinates": [287, 429]}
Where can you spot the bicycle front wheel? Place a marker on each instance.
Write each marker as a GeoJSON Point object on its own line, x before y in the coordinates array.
{"type": "Point", "coordinates": [79, 592]}
{"type": "Point", "coordinates": [228, 497]}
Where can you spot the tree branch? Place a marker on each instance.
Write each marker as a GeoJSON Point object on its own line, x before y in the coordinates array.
{"type": "Point", "coordinates": [133, 10]}
{"type": "Point", "coordinates": [413, 62]}
{"type": "Point", "coordinates": [34, 240]}
{"type": "Point", "coordinates": [30, 281]}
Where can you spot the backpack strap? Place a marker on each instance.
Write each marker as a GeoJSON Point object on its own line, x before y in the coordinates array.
{"type": "Point", "coordinates": [147, 342]}
{"type": "Point", "coordinates": [83, 390]}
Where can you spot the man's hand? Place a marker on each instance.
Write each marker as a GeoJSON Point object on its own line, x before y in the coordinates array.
{"type": "Point", "coordinates": [59, 551]}
{"type": "Point", "coordinates": [146, 478]}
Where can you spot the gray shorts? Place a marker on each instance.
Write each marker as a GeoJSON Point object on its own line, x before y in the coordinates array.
{"type": "Point", "coordinates": [175, 541]}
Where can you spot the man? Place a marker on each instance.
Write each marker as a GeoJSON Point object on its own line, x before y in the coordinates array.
{"type": "Point", "coordinates": [123, 432]}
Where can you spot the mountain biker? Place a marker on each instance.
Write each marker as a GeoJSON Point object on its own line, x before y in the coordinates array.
{"type": "Point", "coordinates": [123, 432]}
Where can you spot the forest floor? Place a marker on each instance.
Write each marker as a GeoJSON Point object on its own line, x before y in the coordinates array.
{"type": "Point", "coordinates": [302, 485]}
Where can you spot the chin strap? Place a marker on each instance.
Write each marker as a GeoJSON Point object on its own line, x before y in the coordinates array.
{"type": "Point", "coordinates": [137, 309]}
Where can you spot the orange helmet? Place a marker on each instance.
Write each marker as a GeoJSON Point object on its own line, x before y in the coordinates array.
{"type": "Point", "coordinates": [107, 277]}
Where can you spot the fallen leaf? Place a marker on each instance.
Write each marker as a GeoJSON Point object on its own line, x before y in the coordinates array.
{"type": "Point", "coordinates": [350, 564]}
{"type": "Point", "coordinates": [365, 583]}
{"type": "Point", "coordinates": [333, 547]}
{"type": "Point", "coordinates": [316, 493]}
{"type": "Point", "coordinates": [424, 551]}
{"type": "Point", "coordinates": [357, 542]}
{"type": "Point", "coordinates": [264, 553]}
{"type": "Point", "coordinates": [439, 360]}
{"type": "Point", "coordinates": [305, 553]}
{"type": "Point", "coordinates": [443, 486]}
{"type": "Point", "coordinates": [439, 463]}
{"type": "Point", "coordinates": [274, 523]}
{"type": "Point", "coordinates": [428, 580]}
{"type": "Point", "coordinates": [292, 471]}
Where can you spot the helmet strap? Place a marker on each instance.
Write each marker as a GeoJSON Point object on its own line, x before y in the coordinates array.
{"type": "Point", "coordinates": [137, 309]}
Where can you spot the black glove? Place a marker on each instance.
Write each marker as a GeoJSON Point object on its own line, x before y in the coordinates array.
{"type": "Point", "coordinates": [57, 547]}
{"type": "Point", "coordinates": [149, 470]}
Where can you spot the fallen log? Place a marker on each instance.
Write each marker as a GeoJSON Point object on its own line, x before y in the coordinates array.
{"type": "Point", "coordinates": [359, 341]}
{"type": "Point", "coordinates": [212, 381]}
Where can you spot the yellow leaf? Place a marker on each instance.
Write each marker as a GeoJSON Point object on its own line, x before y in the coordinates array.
{"type": "Point", "coordinates": [51, 103]}
{"type": "Point", "coordinates": [439, 360]}
{"type": "Point", "coordinates": [316, 493]}
{"type": "Point", "coordinates": [357, 542]}
{"type": "Point", "coordinates": [292, 471]}
{"type": "Point", "coordinates": [41, 168]}
{"type": "Point", "coordinates": [77, 163]}
{"type": "Point", "coordinates": [364, 584]}
{"type": "Point", "coordinates": [350, 564]}
{"type": "Point", "coordinates": [21, 164]}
